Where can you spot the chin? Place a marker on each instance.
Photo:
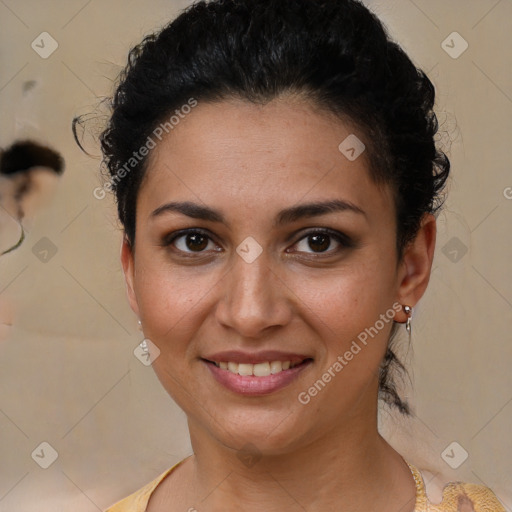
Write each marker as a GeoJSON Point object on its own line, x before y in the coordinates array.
{"type": "Point", "coordinates": [269, 433]}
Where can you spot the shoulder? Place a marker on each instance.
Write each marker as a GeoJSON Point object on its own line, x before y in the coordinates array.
{"type": "Point", "coordinates": [468, 497]}
{"type": "Point", "coordinates": [138, 501]}
{"type": "Point", "coordinates": [457, 496]}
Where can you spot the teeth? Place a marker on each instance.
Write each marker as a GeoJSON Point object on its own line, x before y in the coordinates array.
{"type": "Point", "coordinates": [244, 369]}
{"type": "Point", "coordinates": [261, 369]}
{"type": "Point", "coordinates": [258, 370]}
{"type": "Point", "coordinates": [276, 367]}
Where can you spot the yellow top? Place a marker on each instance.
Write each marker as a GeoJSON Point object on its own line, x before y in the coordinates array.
{"type": "Point", "coordinates": [457, 497]}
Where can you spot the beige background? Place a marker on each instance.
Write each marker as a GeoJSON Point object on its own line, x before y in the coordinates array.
{"type": "Point", "coordinates": [68, 375]}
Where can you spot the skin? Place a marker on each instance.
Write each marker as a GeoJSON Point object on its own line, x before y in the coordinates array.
{"type": "Point", "coordinates": [250, 162]}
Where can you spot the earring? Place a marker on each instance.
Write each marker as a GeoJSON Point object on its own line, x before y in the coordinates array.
{"type": "Point", "coordinates": [140, 325]}
{"type": "Point", "coordinates": [408, 312]}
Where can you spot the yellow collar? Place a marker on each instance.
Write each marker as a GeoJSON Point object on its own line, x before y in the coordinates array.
{"type": "Point", "coordinates": [421, 493]}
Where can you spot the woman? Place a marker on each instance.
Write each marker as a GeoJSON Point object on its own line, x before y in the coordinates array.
{"type": "Point", "coordinates": [277, 180]}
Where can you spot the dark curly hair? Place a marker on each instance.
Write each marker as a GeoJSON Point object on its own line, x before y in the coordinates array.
{"type": "Point", "coordinates": [334, 53]}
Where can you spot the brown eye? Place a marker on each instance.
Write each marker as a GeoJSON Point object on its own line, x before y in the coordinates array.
{"type": "Point", "coordinates": [319, 243]}
{"type": "Point", "coordinates": [321, 240]}
{"type": "Point", "coordinates": [196, 241]}
{"type": "Point", "coordinates": [192, 241]}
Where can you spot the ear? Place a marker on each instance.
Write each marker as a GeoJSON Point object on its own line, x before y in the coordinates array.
{"type": "Point", "coordinates": [414, 270]}
{"type": "Point", "coordinates": [127, 261]}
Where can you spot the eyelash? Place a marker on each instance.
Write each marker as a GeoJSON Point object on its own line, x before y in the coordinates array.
{"type": "Point", "coordinates": [341, 238]}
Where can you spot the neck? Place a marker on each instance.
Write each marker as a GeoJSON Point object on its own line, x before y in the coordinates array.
{"type": "Point", "coordinates": [350, 464]}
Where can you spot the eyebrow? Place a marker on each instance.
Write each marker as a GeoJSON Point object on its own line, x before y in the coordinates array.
{"type": "Point", "coordinates": [285, 216]}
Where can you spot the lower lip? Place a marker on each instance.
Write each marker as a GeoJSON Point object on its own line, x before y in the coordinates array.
{"type": "Point", "coordinates": [256, 386]}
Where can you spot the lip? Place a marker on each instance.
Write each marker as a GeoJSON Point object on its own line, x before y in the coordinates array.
{"type": "Point", "coordinates": [251, 385]}
{"type": "Point", "coordinates": [237, 356]}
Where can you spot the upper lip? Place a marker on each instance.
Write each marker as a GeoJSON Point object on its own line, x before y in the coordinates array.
{"type": "Point", "coordinates": [237, 356]}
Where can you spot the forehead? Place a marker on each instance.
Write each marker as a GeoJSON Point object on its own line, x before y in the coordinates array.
{"type": "Point", "coordinates": [237, 154]}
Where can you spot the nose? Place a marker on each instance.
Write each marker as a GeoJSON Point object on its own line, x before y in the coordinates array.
{"type": "Point", "coordinates": [254, 298]}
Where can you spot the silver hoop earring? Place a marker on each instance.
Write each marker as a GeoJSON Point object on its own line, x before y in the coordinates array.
{"type": "Point", "coordinates": [408, 312]}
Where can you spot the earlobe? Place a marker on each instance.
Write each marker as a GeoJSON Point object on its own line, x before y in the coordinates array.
{"type": "Point", "coordinates": [127, 262]}
{"type": "Point", "coordinates": [416, 266]}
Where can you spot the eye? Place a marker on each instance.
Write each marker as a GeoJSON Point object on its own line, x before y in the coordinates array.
{"type": "Point", "coordinates": [321, 240]}
{"type": "Point", "coordinates": [318, 241]}
{"type": "Point", "coordinates": [190, 241]}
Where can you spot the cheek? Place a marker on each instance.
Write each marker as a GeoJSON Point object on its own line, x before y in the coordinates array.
{"type": "Point", "coordinates": [170, 309]}
{"type": "Point", "coordinates": [344, 312]}
{"type": "Point", "coordinates": [347, 301]}
{"type": "Point", "coordinates": [174, 304]}
{"type": "Point", "coordinates": [347, 325]}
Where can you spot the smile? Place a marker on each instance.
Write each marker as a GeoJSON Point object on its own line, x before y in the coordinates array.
{"type": "Point", "coordinates": [258, 370]}
{"type": "Point", "coordinates": [256, 379]}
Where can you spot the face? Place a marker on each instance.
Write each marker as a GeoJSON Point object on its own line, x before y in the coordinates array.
{"type": "Point", "coordinates": [246, 273]}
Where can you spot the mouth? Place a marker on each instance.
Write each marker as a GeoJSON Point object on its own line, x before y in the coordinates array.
{"type": "Point", "coordinates": [259, 377]}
